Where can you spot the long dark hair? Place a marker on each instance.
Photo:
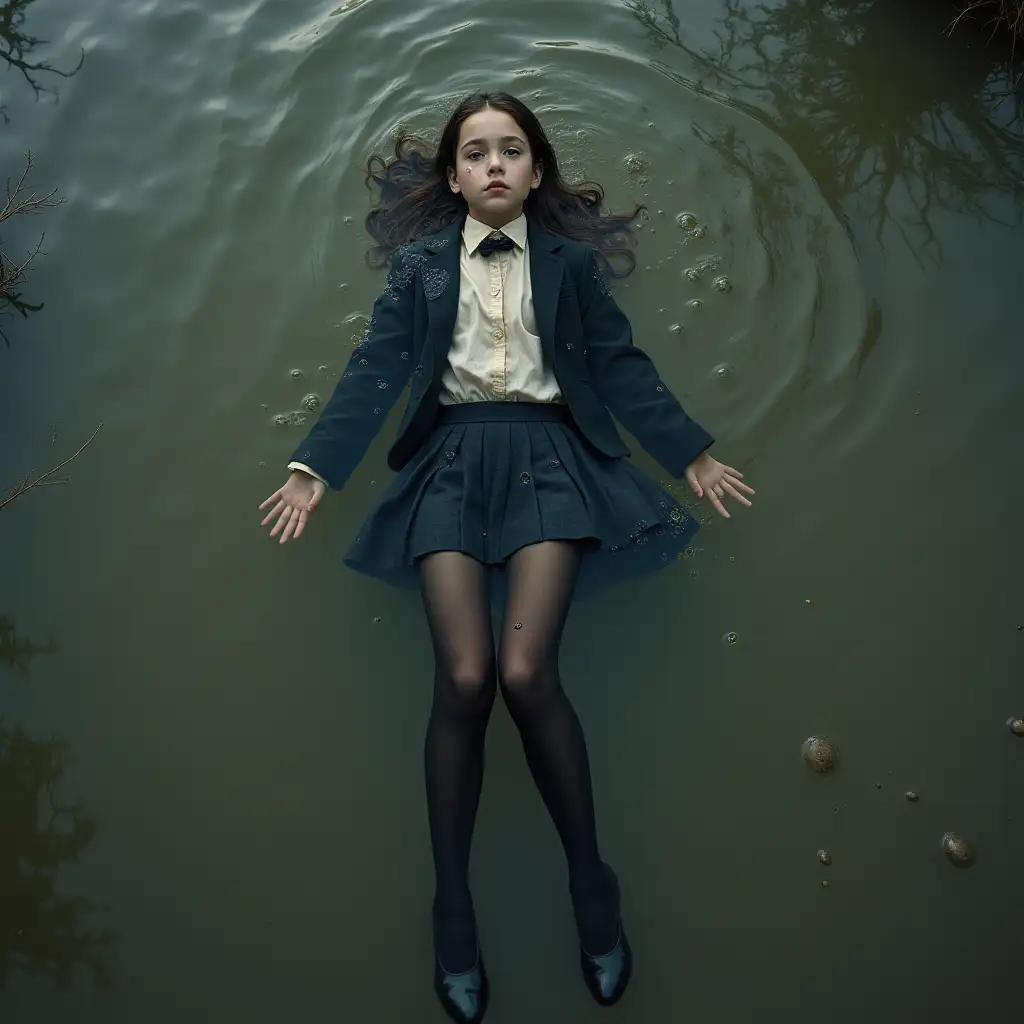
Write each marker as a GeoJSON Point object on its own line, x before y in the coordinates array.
{"type": "Point", "coordinates": [415, 198]}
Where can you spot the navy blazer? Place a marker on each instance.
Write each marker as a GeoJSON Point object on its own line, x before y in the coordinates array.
{"type": "Point", "coordinates": [585, 337]}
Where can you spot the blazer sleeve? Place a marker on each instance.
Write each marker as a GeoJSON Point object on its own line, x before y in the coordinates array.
{"type": "Point", "coordinates": [627, 381]}
{"type": "Point", "coordinates": [370, 385]}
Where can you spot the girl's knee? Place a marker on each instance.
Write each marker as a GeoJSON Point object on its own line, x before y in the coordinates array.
{"type": "Point", "coordinates": [523, 677]}
{"type": "Point", "coordinates": [468, 683]}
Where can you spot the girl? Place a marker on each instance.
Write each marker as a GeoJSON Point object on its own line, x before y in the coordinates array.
{"type": "Point", "coordinates": [497, 311]}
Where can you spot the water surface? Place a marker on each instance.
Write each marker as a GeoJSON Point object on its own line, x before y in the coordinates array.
{"type": "Point", "coordinates": [242, 739]}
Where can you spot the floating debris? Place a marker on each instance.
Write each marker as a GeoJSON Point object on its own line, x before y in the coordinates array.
{"type": "Point", "coordinates": [911, 796]}
{"type": "Point", "coordinates": [958, 851]}
{"type": "Point", "coordinates": [820, 753]}
{"type": "Point", "coordinates": [825, 857]}
{"type": "Point", "coordinates": [1016, 726]}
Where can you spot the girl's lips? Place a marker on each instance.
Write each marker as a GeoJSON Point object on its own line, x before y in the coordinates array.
{"type": "Point", "coordinates": [496, 188]}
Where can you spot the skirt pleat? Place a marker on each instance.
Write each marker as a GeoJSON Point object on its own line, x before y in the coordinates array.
{"type": "Point", "coordinates": [488, 488]}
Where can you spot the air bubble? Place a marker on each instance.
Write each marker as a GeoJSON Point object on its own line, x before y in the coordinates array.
{"type": "Point", "coordinates": [676, 328]}
{"type": "Point", "coordinates": [296, 374]}
{"type": "Point", "coordinates": [958, 850]}
{"type": "Point", "coordinates": [825, 858]}
{"type": "Point", "coordinates": [723, 371]}
{"type": "Point", "coordinates": [311, 402]}
{"type": "Point", "coordinates": [525, 477]}
{"type": "Point", "coordinates": [692, 274]}
{"type": "Point", "coordinates": [518, 625]}
{"type": "Point", "coordinates": [322, 369]}
{"type": "Point", "coordinates": [687, 221]}
{"type": "Point", "coordinates": [1016, 726]}
{"type": "Point", "coordinates": [721, 284]}
{"type": "Point", "coordinates": [377, 620]}
{"type": "Point", "coordinates": [730, 638]}
{"type": "Point", "coordinates": [820, 753]}
{"type": "Point", "coordinates": [699, 232]}
{"type": "Point", "coordinates": [694, 304]}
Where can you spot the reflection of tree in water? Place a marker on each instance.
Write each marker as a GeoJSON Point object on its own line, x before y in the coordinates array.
{"type": "Point", "coordinates": [949, 137]}
{"type": "Point", "coordinates": [42, 932]}
{"type": "Point", "coordinates": [16, 47]}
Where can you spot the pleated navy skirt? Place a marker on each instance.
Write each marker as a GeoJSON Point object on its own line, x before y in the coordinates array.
{"type": "Point", "coordinates": [493, 477]}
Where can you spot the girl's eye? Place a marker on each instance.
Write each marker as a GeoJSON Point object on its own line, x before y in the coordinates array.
{"type": "Point", "coordinates": [512, 150]}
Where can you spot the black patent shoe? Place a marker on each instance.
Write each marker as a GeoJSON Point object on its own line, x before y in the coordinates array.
{"type": "Point", "coordinates": [463, 996]}
{"type": "Point", "coordinates": [606, 976]}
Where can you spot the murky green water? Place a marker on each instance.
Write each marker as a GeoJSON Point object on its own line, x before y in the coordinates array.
{"type": "Point", "coordinates": [242, 741]}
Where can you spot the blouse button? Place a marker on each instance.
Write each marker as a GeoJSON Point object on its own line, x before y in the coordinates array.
{"type": "Point", "coordinates": [497, 334]}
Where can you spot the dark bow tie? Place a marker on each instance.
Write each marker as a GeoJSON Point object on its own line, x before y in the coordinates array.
{"type": "Point", "coordinates": [501, 244]}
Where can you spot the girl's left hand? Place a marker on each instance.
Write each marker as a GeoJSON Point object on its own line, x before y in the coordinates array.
{"type": "Point", "coordinates": [706, 475]}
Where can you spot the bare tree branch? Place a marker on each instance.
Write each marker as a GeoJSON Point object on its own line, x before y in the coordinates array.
{"type": "Point", "coordinates": [29, 483]}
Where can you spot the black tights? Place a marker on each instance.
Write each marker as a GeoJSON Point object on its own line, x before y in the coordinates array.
{"type": "Point", "coordinates": [541, 578]}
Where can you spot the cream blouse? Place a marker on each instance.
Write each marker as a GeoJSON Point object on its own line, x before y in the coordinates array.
{"type": "Point", "coordinates": [495, 354]}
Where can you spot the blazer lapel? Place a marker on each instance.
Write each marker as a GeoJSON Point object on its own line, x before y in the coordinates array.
{"type": "Point", "coordinates": [440, 276]}
{"type": "Point", "coordinates": [546, 269]}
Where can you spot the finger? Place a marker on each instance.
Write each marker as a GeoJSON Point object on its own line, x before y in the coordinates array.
{"type": "Point", "coordinates": [736, 494]}
{"type": "Point", "coordinates": [289, 529]}
{"type": "Point", "coordinates": [282, 522]}
{"type": "Point", "coordinates": [691, 479]}
{"type": "Point", "coordinates": [719, 507]}
{"type": "Point", "coordinates": [303, 516]}
{"type": "Point", "coordinates": [318, 493]}
{"type": "Point", "coordinates": [718, 489]}
{"type": "Point", "coordinates": [731, 471]}
{"type": "Point", "coordinates": [274, 512]}
{"type": "Point", "coordinates": [274, 497]}
{"type": "Point", "coordinates": [742, 487]}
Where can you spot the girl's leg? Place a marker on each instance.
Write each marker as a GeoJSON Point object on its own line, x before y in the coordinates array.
{"type": "Point", "coordinates": [455, 597]}
{"type": "Point", "coordinates": [541, 578]}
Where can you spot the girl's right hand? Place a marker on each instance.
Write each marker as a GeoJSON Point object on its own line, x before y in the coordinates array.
{"type": "Point", "coordinates": [292, 505]}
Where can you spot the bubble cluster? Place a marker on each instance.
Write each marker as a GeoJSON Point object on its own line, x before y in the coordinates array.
{"type": "Point", "coordinates": [296, 418]}
{"type": "Point", "coordinates": [636, 163]}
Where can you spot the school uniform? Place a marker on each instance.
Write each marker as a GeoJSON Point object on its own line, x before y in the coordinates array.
{"type": "Point", "coordinates": [517, 361]}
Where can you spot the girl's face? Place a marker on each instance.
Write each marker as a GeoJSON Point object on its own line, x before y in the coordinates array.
{"type": "Point", "coordinates": [494, 169]}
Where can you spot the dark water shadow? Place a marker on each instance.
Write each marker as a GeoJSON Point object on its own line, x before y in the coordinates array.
{"type": "Point", "coordinates": [948, 138]}
{"type": "Point", "coordinates": [44, 932]}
